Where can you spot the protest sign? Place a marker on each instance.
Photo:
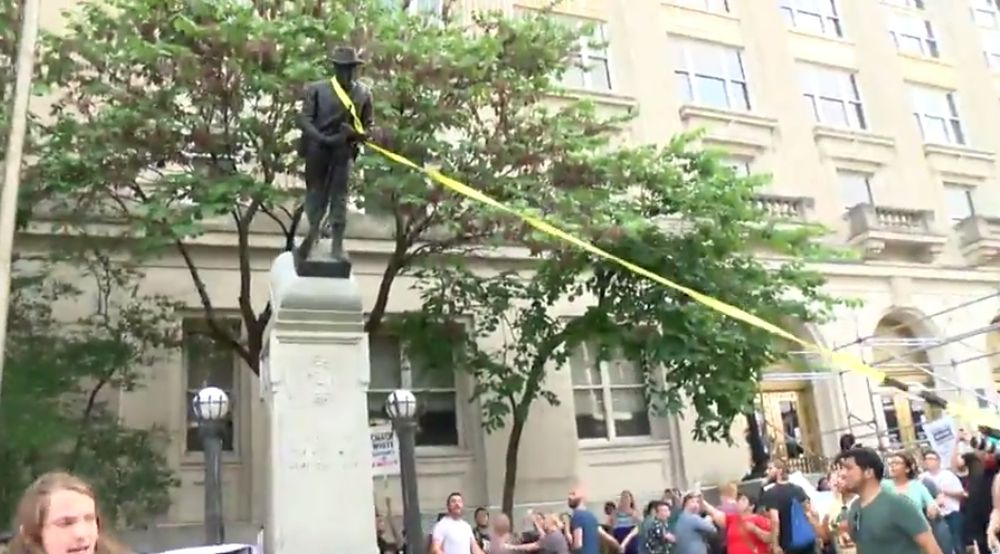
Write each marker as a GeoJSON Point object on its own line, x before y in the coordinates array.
{"type": "Point", "coordinates": [941, 434]}
{"type": "Point", "coordinates": [385, 451]}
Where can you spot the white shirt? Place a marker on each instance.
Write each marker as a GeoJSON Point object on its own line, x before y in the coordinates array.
{"type": "Point", "coordinates": [454, 535]}
{"type": "Point", "coordinates": [946, 482]}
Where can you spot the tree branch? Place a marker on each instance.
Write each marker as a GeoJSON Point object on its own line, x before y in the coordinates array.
{"type": "Point", "coordinates": [245, 299]}
{"type": "Point", "coordinates": [220, 332]}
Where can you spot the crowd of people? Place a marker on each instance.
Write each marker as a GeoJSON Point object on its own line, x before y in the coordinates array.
{"type": "Point", "coordinates": [868, 503]}
{"type": "Point", "coordinates": [871, 504]}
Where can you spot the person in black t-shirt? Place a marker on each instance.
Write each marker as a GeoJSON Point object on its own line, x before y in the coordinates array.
{"type": "Point", "coordinates": [777, 500]}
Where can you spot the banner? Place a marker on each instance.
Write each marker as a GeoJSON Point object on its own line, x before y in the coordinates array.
{"type": "Point", "coordinates": [941, 434]}
{"type": "Point", "coordinates": [214, 549]}
{"type": "Point", "coordinates": [385, 451]}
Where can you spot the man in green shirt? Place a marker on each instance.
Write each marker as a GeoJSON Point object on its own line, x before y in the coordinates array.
{"type": "Point", "coordinates": [881, 522]}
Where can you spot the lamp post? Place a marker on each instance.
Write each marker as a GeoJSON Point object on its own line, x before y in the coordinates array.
{"type": "Point", "coordinates": [401, 406]}
{"type": "Point", "coordinates": [211, 405]}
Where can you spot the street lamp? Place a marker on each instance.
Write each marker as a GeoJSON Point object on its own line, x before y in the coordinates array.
{"type": "Point", "coordinates": [401, 406]}
{"type": "Point", "coordinates": [211, 405]}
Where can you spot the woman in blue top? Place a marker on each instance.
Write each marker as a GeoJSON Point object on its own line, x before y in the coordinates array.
{"type": "Point", "coordinates": [903, 480]}
{"type": "Point", "coordinates": [624, 519]}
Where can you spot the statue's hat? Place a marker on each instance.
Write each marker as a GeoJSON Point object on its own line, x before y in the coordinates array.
{"type": "Point", "coordinates": [345, 55]}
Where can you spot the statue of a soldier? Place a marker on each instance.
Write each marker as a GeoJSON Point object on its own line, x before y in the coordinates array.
{"type": "Point", "coordinates": [330, 145]}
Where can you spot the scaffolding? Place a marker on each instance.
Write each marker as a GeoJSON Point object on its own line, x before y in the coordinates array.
{"type": "Point", "coordinates": [862, 427]}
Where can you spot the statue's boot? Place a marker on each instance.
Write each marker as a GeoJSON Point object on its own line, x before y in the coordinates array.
{"type": "Point", "coordinates": [337, 242]}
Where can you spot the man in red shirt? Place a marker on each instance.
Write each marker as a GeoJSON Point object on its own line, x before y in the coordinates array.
{"type": "Point", "coordinates": [746, 532]}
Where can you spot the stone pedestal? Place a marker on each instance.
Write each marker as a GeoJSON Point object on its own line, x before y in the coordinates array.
{"type": "Point", "coordinates": [315, 375]}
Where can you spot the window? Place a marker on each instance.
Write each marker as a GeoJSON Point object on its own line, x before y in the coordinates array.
{"type": "Point", "coordinates": [914, 4]}
{"type": "Point", "coordinates": [739, 166]}
{"type": "Point", "coordinates": [832, 96]}
{"type": "Point", "coordinates": [814, 16]}
{"type": "Point", "coordinates": [208, 363]}
{"type": "Point", "coordinates": [959, 202]}
{"type": "Point", "coordinates": [589, 69]}
{"type": "Point", "coordinates": [608, 397]}
{"type": "Point", "coordinates": [415, 7]}
{"type": "Point", "coordinates": [437, 423]}
{"type": "Point", "coordinates": [986, 13]}
{"type": "Point", "coordinates": [707, 5]}
{"type": "Point", "coordinates": [855, 188]}
{"type": "Point", "coordinates": [991, 47]}
{"type": "Point", "coordinates": [913, 35]}
{"type": "Point", "coordinates": [936, 112]}
{"type": "Point", "coordinates": [711, 74]}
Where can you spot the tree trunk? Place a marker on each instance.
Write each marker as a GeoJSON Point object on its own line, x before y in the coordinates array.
{"type": "Point", "coordinates": [755, 440]}
{"type": "Point", "coordinates": [510, 465]}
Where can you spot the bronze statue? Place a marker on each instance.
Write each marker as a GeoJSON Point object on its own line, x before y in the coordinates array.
{"type": "Point", "coordinates": [330, 144]}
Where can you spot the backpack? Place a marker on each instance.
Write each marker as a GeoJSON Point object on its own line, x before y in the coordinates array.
{"type": "Point", "coordinates": [800, 532]}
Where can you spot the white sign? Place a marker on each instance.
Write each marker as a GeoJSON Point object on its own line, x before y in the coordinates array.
{"type": "Point", "coordinates": [214, 549]}
{"type": "Point", "coordinates": [941, 434]}
{"type": "Point", "coordinates": [385, 451]}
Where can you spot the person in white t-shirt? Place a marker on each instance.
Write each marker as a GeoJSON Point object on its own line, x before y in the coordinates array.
{"type": "Point", "coordinates": [452, 534]}
{"type": "Point", "coordinates": [950, 498]}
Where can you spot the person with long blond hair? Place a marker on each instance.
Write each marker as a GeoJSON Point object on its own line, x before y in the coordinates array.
{"type": "Point", "coordinates": [58, 515]}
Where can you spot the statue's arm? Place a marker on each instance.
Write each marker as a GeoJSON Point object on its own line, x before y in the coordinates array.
{"type": "Point", "coordinates": [307, 116]}
{"type": "Point", "coordinates": [367, 113]}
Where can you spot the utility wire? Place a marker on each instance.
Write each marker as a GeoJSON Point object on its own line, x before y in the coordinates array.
{"type": "Point", "coordinates": [904, 325]}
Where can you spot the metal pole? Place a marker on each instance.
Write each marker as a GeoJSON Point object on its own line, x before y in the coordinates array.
{"type": "Point", "coordinates": [212, 440]}
{"type": "Point", "coordinates": [859, 339]}
{"type": "Point", "coordinates": [406, 430]}
{"type": "Point", "coordinates": [12, 163]}
{"type": "Point", "coordinates": [949, 340]}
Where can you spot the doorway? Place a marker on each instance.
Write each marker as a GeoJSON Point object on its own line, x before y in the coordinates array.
{"type": "Point", "coordinates": [790, 424]}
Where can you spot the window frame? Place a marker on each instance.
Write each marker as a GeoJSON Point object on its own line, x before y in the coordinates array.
{"type": "Point", "coordinates": [993, 11]}
{"type": "Point", "coordinates": [606, 389]}
{"type": "Point", "coordinates": [234, 393]}
{"type": "Point", "coordinates": [791, 11]}
{"type": "Point", "coordinates": [406, 372]}
{"type": "Point", "coordinates": [850, 94]}
{"type": "Point", "coordinates": [713, 6]}
{"type": "Point", "coordinates": [968, 193]}
{"type": "Point", "coordinates": [586, 53]}
{"type": "Point", "coordinates": [906, 4]}
{"type": "Point", "coordinates": [992, 56]}
{"type": "Point", "coordinates": [952, 121]}
{"type": "Point", "coordinates": [413, 8]}
{"type": "Point", "coordinates": [987, 31]}
{"type": "Point", "coordinates": [690, 72]}
{"type": "Point", "coordinates": [739, 165]}
{"type": "Point", "coordinates": [929, 44]}
{"type": "Point", "coordinates": [866, 178]}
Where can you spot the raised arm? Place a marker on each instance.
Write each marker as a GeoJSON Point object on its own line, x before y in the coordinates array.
{"type": "Point", "coordinates": [718, 516]}
{"type": "Point", "coordinates": [367, 115]}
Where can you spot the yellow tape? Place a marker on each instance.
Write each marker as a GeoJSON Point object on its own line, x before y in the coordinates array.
{"type": "Point", "coordinates": [974, 416]}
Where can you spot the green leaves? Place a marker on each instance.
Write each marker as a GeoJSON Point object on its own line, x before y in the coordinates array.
{"type": "Point", "coordinates": [61, 372]}
{"type": "Point", "coordinates": [674, 211]}
{"type": "Point", "coordinates": [173, 115]}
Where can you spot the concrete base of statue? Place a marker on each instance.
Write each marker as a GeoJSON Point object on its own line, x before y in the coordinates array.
{"type": "Point", "coordinates": [314, 379]}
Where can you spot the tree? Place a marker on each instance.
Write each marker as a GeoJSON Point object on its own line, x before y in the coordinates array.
{"type": "Point", "coordinates": [10, 25]}
{"type": "Point", "coordinates": [60, 373]}
{"type": "Point", "coordinates": [174, 113]}
{"type": "Point", "coordinates": [674, 211]}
